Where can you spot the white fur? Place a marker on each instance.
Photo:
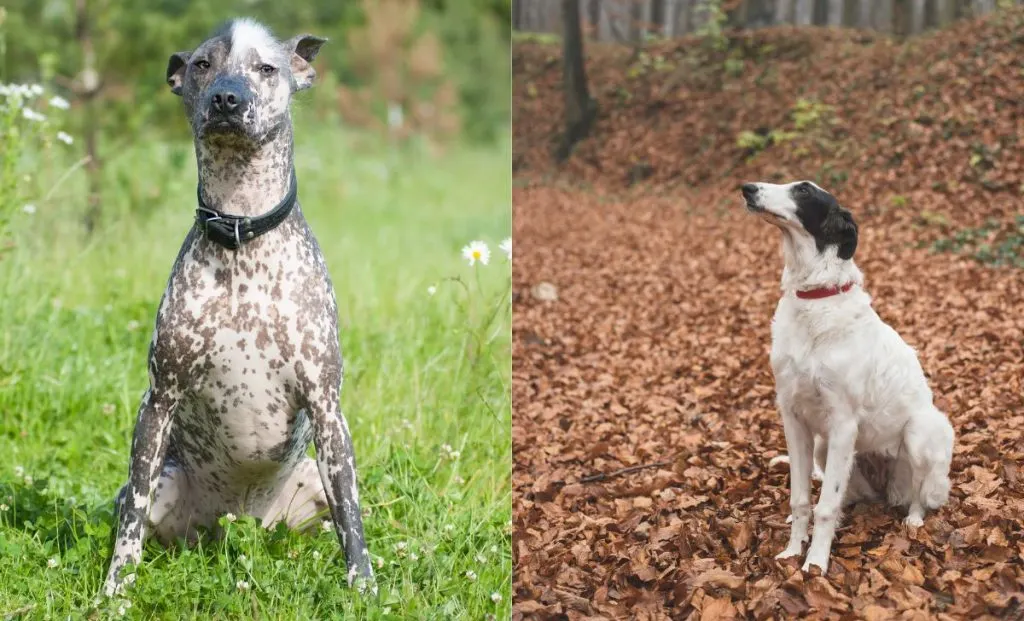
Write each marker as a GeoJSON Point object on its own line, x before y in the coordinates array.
{"type": "Point", "coordinates": [247, 34]}
{"type": "Point", "coordinates": [846, 382]}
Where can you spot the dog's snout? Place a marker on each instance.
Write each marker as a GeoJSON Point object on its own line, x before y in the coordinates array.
{"type": "Point", "coordinates": [227, 100]}
{"type": "Point", "coordinates": [749, 190]}
{"type": "Point", "coordinates": [228, 96]}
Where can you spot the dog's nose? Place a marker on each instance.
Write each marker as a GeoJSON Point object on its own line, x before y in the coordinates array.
{"type": "Point", "coordinates": [226, 100]}
{"type": "Point", "coordinates": [749, 190]}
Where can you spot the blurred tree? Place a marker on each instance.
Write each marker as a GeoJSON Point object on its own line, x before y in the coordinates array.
{"type": "Point", "coordinates": [580, 108]}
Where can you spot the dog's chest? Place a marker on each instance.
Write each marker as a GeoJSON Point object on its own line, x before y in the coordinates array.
{"type": "Point", "coordinates": [238, 334]}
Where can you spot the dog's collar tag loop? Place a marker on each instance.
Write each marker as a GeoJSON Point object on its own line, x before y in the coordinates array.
{"type": "Point", "coordinates": [233, 231]}
{"type": "Point", "coordinates": [823, 292]}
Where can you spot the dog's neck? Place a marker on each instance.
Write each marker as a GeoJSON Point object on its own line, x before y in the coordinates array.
{"type": "Point", "coordinates": [241, 179]}
{"type": "Point", "coordinates": [806, 268]}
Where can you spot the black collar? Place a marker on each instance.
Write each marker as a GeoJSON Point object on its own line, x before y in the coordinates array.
{"type": "Point", "coordinates": [233, 231]}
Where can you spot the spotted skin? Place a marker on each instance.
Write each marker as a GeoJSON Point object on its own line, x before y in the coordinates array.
{"type": "Point", "coordinates": [245, 368]}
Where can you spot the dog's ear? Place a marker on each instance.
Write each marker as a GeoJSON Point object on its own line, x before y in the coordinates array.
{"type": "Point", "coordinates": [840, 229]}
{"type": "Point", "coordinates": [304, 49]}
{"type": "Point", "coordinates": [176, 71]}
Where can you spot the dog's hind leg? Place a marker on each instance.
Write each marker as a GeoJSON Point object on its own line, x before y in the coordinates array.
{"type": "Point", "coordinates": [842, 441]}
{"type": "Point", "coordinates": [800, 443]}
{"type": "Point", "coordinates": [299, 501]}
{"type": "Point", "coordinates": [928, 443]}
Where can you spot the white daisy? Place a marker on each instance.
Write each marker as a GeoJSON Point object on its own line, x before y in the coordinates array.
{"type": "Point", "coordinates": [65, 138]}
{"type": "Point", "coordinates": [59, 102]}
{"type": "Point", "coordinates": [506, 246]}
{"type": "Point", "coordinates": [477, 251]}
{"type": "Point", "coordinates": [230, 517]}
{"type": "Point", "coordinates": [32, 115]}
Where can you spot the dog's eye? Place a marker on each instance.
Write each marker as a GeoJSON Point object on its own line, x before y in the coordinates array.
{"type": "Point", "coordinates": [202, 64]}
{"type": "Point", "coordinates": [802, 189]}
{"type": "Point", "coordinates": [267, 69]}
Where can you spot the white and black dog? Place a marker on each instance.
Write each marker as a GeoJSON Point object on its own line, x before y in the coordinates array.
{"type": "Point", "coordinates": [843, 377]}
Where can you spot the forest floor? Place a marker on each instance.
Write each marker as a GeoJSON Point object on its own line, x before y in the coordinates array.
{"type": "Point", "coordinates": [643, 298]}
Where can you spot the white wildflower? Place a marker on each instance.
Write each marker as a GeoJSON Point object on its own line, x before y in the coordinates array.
{"type": "Point", "coordinates": [120, 611]}
{"type": "Point", "coordinates": [506, 247]}
{"type": "Point", "coordinates": [476, 251]}
{"type": "Point", "coordinates": [29, 209]}
{"type": "Point", "coordinates": [32, 115]}
{"type": "Point", "coordinates": [65, 138]}
{"type": "Point", "coordinates": [35, 90]}
{"type": "Point", "coordinates": [316, 555]}
{"type": "Point", "coordinates": [28, 479]}
{"type": "Point", "coordinates": [242, 585]}
{"type": "Point", "coordinates": [19, 471]}
{"type": "Point", "coordinates": [449, 528]}
{"type": "Point", "coordinates": [132, 326]}
{"type": "Point", "coordinates": [396, 117]}
{"type": "Point", "coordinates": [4, 507]}
{"type": "Point", "coordinates": [242, 558]}
{"type": "Point", "coordinates": [230, 517]}
{"type": "Point", "coordinates": [53, 562]}
{"type": "Point", "coordinates": [496, 597]}
{"type": "Point", "coordinates": [108, 408]}
{"type": "Point", "coordinates": [471, 575]}
{"type": "Point", "coordinates": [326, 526]}
{"type": "Point", "coordinates": [431, 290]}
{"type": "Point", "coordinates": [59, 102]}
{"type": "Point", "coordinates": [481, 558]}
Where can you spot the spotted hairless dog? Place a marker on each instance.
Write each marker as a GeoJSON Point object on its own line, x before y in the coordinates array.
{"type": "Point", "coordinates": [245, 367]}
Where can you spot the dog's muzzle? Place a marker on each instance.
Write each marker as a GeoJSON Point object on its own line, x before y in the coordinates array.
{"type": "Point", "coordinates": [750, 192]}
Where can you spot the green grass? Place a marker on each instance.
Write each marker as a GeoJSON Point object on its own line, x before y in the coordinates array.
{"type": "Point", "coordinates": [421, 372]}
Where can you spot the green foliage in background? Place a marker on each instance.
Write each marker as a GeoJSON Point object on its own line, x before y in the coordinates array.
{"type": "Point", "coordinates": [134, 38]}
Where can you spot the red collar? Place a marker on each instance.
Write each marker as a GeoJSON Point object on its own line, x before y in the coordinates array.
{"type": "Point", "coordinates": [823, 292]}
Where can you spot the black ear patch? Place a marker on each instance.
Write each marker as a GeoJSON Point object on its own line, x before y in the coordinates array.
{"type": "Point", "coordinates": [826, 221]}
{"type": "Point", "coordinates": [840, 229]}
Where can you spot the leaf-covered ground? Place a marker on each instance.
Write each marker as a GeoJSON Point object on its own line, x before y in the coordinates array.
{"type": "Point", "coordinates": [641, 323]}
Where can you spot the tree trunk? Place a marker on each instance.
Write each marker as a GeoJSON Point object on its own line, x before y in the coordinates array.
{"type": "Point", "coordinates": [87, 86]}
{"type": "Point", "coordinates": [671, 15]}
{"type": "Point", "coordinates": [917, 9]}
{"type": "Point", "coordinates": [883, 16]}
{"type": "Point", "coordinates": [804, 12]}
{"type": "Point", "coordinates": [580, 108]}
{"type": "Point", "coordinates": [864, 15]}
{"type": "Point", "coordinates": [783, 12]}
{"type": "Point", "coordinates": [658, 17]}
{"type": "Point", "coordinates": [835, 12]}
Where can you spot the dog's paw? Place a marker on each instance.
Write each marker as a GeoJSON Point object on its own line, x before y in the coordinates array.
{"type": "Point", "coordinates": [821, 564]}
{"type": "Point", "coordinates": [789, 552]}
{"type": "Point", "coordinates": [914, 521]}
{"type": "Point", "coordinates": [789, 519]}
{"type": "Point", "coordinates": [817, 474]}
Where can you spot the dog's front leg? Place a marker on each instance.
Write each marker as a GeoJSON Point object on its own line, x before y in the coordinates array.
{"type": "Point", "coordinates": [800, 444]}
{"type": "Point", "coordinates": [336, 461]}
{"type": "Point", "coordinates": [149, 447]}
{"type": "Point", "coordinates": [842, 440]}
